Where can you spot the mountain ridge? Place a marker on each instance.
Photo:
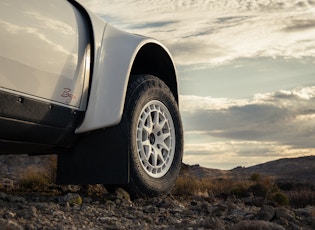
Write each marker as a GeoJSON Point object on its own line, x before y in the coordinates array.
{"type": "Point", "coordinates": [301, 168]}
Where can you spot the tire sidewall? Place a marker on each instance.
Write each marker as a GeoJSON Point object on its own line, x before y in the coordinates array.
{"type": "Point", "coordinates": [138, 176]}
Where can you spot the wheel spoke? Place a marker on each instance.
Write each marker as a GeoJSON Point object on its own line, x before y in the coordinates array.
{"type": "Point", "coordinates": [164, 146]}
{"type": "Point", "coordinates": [165, 136]}
{"type": "Point", "coordinates": [156, 138]}
{"type": "Point", "coordinates": [159, 126]}
{"type": "Point", "coordinates": [161, 157]}
{"type": "Point", "coordinates": [156, 118]}
{"type": "Point", "coordinates": [147, 129]}
{"type": "Point", "coordinates": [149, 124]}
{"type": "Point", "coordinates": [155, 157]}
{"type": "Point", "coordinates": [146, 142]}
{"type": "Point", "coordinates": [162, 124]}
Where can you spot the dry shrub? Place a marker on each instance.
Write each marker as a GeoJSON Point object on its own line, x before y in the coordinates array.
{"type": "Point", "coordinates": [189, 185]}
{"type": "Point", "coordinates": [301, 198]}
{"type": "Point", "coordinates": [33, 178]}
{"type": "Point", "coordinates": [95, 190]}
{"type": "Point", "coordinates": [261, 179]}
{"type": "Point", "coordinates": [51, 169]}
{"type": "Point", "coordinates": [257, 185]}
{"type": "Point", "coordinates": [280, 198]}
{"type": "Point", "coordinates": [266, 187]}
{"type": "Point", "coordinates": [240, 189]}
{"type": "Point", "coordinates": [38, 178]}
{"type": "Point", "coordinates": [300, 193]}
{"type": "Point", "coordinates": [255, 177]}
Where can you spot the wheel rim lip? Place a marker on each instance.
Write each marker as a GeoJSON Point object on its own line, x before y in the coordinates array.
{"type": "Point", "coordinates": [149, 148]}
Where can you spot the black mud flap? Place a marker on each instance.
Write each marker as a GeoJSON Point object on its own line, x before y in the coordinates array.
{"type": "Point", "coordinates": [100, 157]}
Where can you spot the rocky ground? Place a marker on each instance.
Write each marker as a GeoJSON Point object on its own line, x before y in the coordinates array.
{"type": "Point", "coordinates": [73, 210]}
{"type": "Point", "coordinates": [92, 207]}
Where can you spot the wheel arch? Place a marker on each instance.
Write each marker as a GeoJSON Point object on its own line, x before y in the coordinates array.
{"type": "Point", "coordinates": [155, 60]}
{"type": "Point", "coordinates": [119, 56]}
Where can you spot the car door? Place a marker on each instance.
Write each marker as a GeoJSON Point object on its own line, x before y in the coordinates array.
{"type": "Point", "coordinates": [45, 51]}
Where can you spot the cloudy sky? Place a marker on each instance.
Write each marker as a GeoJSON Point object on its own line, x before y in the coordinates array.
{"type": "Point", "coordinates": [245, 67]}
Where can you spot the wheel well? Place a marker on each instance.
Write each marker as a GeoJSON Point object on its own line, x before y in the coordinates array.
{"type": "Point", "coordinates": [153, 59]}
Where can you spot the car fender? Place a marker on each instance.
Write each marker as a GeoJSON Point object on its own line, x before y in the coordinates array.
{"type": "Point", "coordinates": [113, 63]}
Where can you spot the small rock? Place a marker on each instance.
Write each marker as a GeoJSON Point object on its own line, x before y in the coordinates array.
{"type": "Point", "coordinates": [266, 213]}
{"type": "Point", "coordinates": [17, 199]}
{"type": "Point", "coordinates": [59, 214]}
{"type": "Point", "coordinates": [284, 213]}
{"type": "Point", "coordinates": [9, 225]}
{"type": "Point", "coordinates": [193, 203]}
{"type": "Point", "coordinates": [218, 210]}
{"type": "Point", "coordinates": [213, 223]}
{"type": "Point", "coordinates": [150, 209]}
{"type": "Point", "coordinates": [9, 215]}
{"type": "Point", "coordinates": [311, 221]}
{"type": "Point", "coordinates": [3, 196]}
{"type": "Point", "coordinates": [306, 212]}
{"type": "Point", "coordinates": [28, 213]}
{"type": "Point", "coordinates": [256, 224]}
{"type": "Point", "coordinates": [107, 219]}
{"type": "Point", "coordinates": [122, 195]}
{"type": "Point", "coordinates": [72, 199]}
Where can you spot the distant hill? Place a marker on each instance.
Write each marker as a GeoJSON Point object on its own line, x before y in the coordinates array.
{"type": "Point", "coordinates": [301, 168]}
{"type": "Point", "coordinates": [200, 172]}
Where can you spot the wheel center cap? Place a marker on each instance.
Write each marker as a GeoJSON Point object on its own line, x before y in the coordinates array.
{"type": "Point", "coordinates": [152, 138]}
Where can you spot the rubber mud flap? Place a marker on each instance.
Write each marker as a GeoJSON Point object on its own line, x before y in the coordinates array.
{"type": "Point", "coordinates": [100, 157]}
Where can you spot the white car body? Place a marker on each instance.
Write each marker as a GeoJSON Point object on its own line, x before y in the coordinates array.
{"type": "Point", "coordinates": [44, 48]}
{"type": "Point", "coordinates": [65, 75]}
{"type": "Point", "coordinates": [58, 71]}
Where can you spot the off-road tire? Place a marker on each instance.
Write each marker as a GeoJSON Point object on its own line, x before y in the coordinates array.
{"type": "Point", "coordinates": [153, 126]}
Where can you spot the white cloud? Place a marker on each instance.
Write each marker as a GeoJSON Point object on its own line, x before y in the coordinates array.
{"type": "Point", "coordinates": [192, 103]}
{"type": "Point", "coordinates": [228, 155]}
{"type": "Point", "coordinates": [298, 97]}
{"type": "Point", "coordinates": [213, 32]}
{"type": "Point", "coordinates": [285, 117]}
{"type": "Point", "coordinates": [225, 133]}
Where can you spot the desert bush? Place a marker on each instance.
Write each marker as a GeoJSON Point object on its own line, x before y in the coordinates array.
{"type": "Point", "coordinates": [280, 198]}
{"type": "Point", "coordinates": [263, 180]}
{"type": "Point", "coordinates": [264, 186]}
{"type": "Point", "coordinates": [51, 169]}
{"type": "Point", "coordinates": [226, 186]}
{"type": "Point", "coordinates": [33, 178]}
{"type": "Point", "coordinates": [255, 177]}
{"type": "Point", "coordinates": [259, 190]}
{"type": "Point", "coordinates": [301, 198]}
{"type": "Point", "coordinates": [189, 186]}
{"type": "Point", "coordinates": [37, 178]}
{"type": "Point", "coordinates": [193, 186]}
{"type": "Point", "coordinates": [240, 190]}
{"type": "Point", "coordinates": [257, 185]}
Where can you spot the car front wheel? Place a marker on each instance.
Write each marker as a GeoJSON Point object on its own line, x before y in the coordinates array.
{"type": "Point", "coordinates": [152, 122]}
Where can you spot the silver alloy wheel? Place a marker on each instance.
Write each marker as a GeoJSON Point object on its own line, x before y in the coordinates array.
{"type": "Point", "coordinates": [155, 139]}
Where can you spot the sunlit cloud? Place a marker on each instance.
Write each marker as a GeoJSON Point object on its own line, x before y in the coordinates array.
{"type": "Point", "coordinates": [230, 154]}
{"type": "Point", "coordinates": [285, 117]}
{"type": "Point", "coordinates": [193, 103]}
{"type": "Point", "coordinates": [198, 32]}
{"type": "Point", "coordinates": [225, 132]}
